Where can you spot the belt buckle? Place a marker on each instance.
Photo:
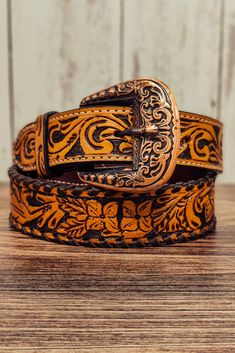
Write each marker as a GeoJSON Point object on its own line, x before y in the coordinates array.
{"type": "Point", "coordinates": [156, 136]}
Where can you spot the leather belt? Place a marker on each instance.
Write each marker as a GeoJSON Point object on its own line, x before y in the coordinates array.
{"type": "Point", "coordinates": [125, 169]}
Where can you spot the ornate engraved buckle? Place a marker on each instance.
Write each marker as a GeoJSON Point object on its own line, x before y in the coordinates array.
{"type": "Point", "coordinates": [156, 136]}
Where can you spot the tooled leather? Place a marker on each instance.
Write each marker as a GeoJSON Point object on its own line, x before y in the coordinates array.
{"type": "Point", "coordinates": [88, 134]}
{"type": "Point", "coordinates": [40, 146]}
{"type": "Point", "coordinates": [69, 213]}
{"type": "Point", "coordinates": [77, 136]}
{"type": "Point", "coordinates": [74, 204]}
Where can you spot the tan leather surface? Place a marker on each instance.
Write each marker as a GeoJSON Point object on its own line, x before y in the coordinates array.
{"type": "Point", "coordinates": [80, 215]}
{"type": "Point", "coordinates": [88, 135]}
{"type": "Point", "coordinates": [110, 175]}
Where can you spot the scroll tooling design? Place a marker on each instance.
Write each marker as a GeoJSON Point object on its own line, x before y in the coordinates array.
{"type": "Point", "coordinates": [201, 142]}
{"type": "Point", "coordinates": [79, 219]}
{"type": "Point", "coordinates": [74, 138]}
{"type": "Point", "coordinates": [155, 151]}
{"type": "Point", "coordinates": [88, 135]}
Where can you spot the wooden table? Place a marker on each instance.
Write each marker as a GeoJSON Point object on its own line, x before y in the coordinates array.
{"type": "Point", "coordinates": [58, 298]}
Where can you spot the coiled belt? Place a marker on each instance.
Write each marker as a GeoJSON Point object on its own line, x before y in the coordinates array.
{"type": "Point", "coordinates": [125, 169]}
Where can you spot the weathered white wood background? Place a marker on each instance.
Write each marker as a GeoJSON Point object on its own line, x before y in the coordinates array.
{"type": "Point", "coordinates": [54, 52]}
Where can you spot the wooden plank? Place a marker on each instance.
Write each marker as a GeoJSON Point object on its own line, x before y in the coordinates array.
{"type": "Point", "coordinates": [177, 42]}
{"type": "Point", "coordinates": [63, 50]}
{"type": "Point", "coordinates": [228, 92]}
{"type": "Point", "coordinates": [57, 298]}
{"type": "Point", "coordinates": [5, 135]}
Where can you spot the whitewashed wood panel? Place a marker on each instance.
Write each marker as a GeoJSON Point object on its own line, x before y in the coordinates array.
{"type": "Point", "coordinates": [228, 92]}
{"type": "Point", "coordinates": [63, 50]}
{"type": "Point", "coordinates": [5, 137]}
{"type": "Point", "coordinates": [178, 42]}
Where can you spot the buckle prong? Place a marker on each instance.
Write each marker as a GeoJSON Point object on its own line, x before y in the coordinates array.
{"type": "Point", "coordinates": [137, 131]}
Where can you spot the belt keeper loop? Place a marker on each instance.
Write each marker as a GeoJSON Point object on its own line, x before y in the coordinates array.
{"type": "Point", "coordinates": [41, 145]}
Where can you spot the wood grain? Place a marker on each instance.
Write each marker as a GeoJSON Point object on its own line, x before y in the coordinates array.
{"type": "Point", "coordinates": [5, 133]}
{"type": "Point", "coordinates": [57, 298]}
{"type": "Point", "coordinates": [63, 50]}
{"type": "Point", "coordinates": [177, 42]}
{"type": "Point", "coordinates": [228, 90]}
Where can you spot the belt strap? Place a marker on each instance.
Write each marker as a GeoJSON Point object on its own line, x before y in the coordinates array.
{"type": "Point", "coordinates": [90, 135]}
{"type": "Point", "coordinates": [68, 213]}
{"type": "Point", "coordinates": [135, 173]}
